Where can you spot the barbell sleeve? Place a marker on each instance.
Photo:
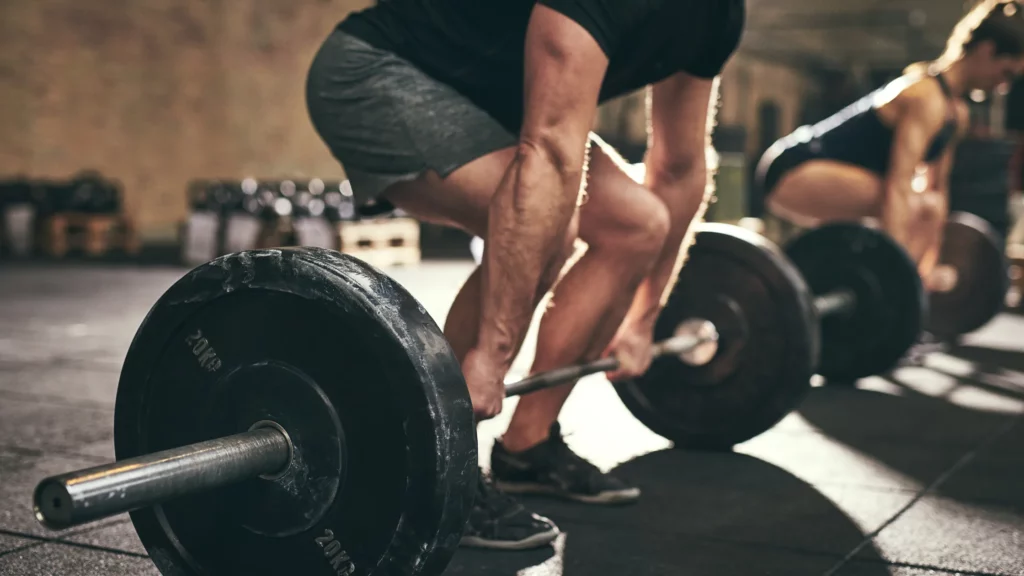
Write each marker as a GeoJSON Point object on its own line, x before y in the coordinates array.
{"type": "Point", "coordinates": [103, 491]}
{"type": "Point", "coordinates": [676, 345]}
{"type": "Point", "coordinates": [836, 302]}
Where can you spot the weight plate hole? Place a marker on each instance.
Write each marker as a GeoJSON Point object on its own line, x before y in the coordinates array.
{"type": "Point", "coordinates": [291, 447]}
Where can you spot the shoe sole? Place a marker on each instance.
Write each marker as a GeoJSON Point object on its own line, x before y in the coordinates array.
{"type": "Point", "coordinates": [613, 497]}
{"type": "Point", "coordinates": [535, 541]}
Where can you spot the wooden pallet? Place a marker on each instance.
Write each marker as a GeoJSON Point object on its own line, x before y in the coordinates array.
{"type": "Point", "coordinates": [382, 243]}
{"type": "Point", "coordinates": [91, 234]}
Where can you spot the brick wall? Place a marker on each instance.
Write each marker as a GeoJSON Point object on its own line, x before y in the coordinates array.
{"type": "Point", "coordinates": [158, 92]}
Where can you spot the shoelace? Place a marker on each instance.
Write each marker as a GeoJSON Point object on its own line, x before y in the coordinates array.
{"type": "Point", "coordinates": [491, 497]}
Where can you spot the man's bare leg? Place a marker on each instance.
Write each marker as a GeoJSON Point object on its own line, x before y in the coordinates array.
{"type": "Point", "coordinates": [462, 200]}
{"type": "Point", "coordinates": [624, 226]}
{"type": "Point", "coordinates": [463, 321]}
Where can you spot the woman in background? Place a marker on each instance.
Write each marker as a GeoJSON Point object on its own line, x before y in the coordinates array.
{"type": "Point", "coordinates": [888, 155]}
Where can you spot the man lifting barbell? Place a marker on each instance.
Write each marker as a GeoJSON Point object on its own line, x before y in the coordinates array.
{"type": "Point", "coordinates": [426, 104]}
{"type": "Point", "coordinates": [863, 162]}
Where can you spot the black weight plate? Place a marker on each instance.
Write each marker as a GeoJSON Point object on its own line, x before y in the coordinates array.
{"type": "Point", "coordinates": [767, 345]}
{"type": "Point", "coordinates": [344, 357]}
{"type": "Point", "coordinates": [975, 249]}
{"type": "Point", "coordinates": [890, 298]}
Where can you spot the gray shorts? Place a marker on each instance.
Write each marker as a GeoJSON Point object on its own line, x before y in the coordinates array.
{"type": "Point", "coordinates": [386, 121]}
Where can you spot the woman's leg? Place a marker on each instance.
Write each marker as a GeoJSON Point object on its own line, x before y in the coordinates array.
{"type": "Point", "coordinates": [821, 191]}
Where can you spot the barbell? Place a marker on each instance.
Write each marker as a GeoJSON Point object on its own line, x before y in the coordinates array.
{"type": "Point", "coordinates": [297, 411]}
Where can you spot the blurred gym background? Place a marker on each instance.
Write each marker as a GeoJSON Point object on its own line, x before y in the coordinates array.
{"type": "Point", "coordinates": [171, 131]}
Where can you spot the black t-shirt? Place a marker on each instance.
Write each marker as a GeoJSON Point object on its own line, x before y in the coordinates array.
{"type": "Point", "coordinates": [477, 46]}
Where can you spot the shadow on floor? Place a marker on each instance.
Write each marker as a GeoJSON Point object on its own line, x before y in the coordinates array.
{"type": "Point", "coordinates": [1007, 363]}
{"type": "Point", "coordinates": [924, 436]}
{"type": "Point", "coordinates": [700, 514]}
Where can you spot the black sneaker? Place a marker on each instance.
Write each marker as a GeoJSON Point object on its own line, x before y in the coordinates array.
{"type": "Point", "coordinates": [499, 521]}
{"type": "Point", "coordinates": [552, 468]}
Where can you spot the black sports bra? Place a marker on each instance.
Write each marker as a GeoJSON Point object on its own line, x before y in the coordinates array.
{"type": "Point", "coordinates": [858, 136]}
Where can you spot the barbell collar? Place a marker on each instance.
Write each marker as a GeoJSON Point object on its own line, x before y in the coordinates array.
{"type": "Point", "coordinates": [103, 491]}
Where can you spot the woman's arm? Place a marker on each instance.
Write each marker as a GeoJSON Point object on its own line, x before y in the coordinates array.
{"type": "Point", "coordinates": [921, 115]}
{"type": "Point", "coordinates": [938, 193]}
{"type": "Point", "coordinates": [937, 199]}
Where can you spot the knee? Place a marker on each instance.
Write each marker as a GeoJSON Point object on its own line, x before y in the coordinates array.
{"type": "Point", "coordinates": [650, 226]}
{"type": "Point", "coordinates": [638, 231]}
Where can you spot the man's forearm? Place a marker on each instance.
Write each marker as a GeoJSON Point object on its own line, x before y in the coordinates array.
{"type": "Point", "coordinates": [527, 223]}
{"type": "Point", "coordinates": [685, 199]}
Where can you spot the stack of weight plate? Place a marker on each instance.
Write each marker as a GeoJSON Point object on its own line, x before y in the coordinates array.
{"type": "Point", "coordinates": [980, 180]}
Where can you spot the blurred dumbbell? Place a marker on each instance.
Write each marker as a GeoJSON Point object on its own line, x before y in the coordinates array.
{"type": "Point", "coordinates": [45, 194]}
{"type": "Point", "coordinates": [226, 197]}
{"type": "Point", "coordinates": [310, 221]}
{"type": "Point", "coordinates": [198, 193]}
{"type": "Point", "coordinates": [251, 208]}
{"type": "Point", "coordinates": [106, 198]}
{"type": "Point", "coordinates": [82, 187]}
{"type": "Point", "coordinates": [90, 192]}
{"type": "Point", "coordinates": [249, 202]}
{"type": "Point", "coordinates": [265, 196]}
{"type": "Point", "coordinates": [309, 200]}
{"type": "Point", "coordinates": [15, 190]}
{"type": "Point", "coordinates": [339, 203]}
{"type": "Point", "coordinates": [284, 203]}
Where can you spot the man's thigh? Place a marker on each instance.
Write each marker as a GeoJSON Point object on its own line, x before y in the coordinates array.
{"type": "Point", "coordinates": [389, 123]}
{"type": "Point", "coordinates": [460, 200]}
{"type": "Point", "coordinates": [614, 204]}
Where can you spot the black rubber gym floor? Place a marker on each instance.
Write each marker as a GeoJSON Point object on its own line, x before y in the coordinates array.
{"type": "Point", "coordinates": [915, 473]}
